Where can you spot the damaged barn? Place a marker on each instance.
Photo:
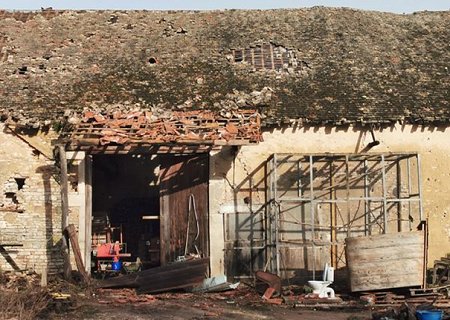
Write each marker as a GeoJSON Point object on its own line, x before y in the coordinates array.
{"type": "Point", "coordinates": [224, 143]}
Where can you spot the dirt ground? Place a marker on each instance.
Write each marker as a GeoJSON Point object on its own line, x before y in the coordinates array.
{"type": "Point", "coordinates": [232, 305]}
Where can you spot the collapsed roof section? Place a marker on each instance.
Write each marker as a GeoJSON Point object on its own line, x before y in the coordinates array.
{"type": "Point", "coordinates": [183, 128]}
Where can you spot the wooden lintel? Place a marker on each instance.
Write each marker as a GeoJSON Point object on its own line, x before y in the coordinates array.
{"type": "Point", "coordinates": [233, 142]}
{"type": "Point", "coordinates": [145, 149]}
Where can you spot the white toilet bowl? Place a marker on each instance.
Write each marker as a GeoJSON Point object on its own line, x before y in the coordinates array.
{"type": "Point", "coordinates": [321, 287]}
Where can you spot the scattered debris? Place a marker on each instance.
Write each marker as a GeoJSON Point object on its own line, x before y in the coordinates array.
{"type": "Point", "coordinates": [272, 280]}
{"type": "Point", "coordinates": [241, 127]}
{"type": "Point", "coordinates": [22, 297]}
{"type": "Point", "coordinates": [121, 296]}
{"type": "Point", "coordinates": [441, 271]}
{"type": "Point", "coordinates": [216, 284]}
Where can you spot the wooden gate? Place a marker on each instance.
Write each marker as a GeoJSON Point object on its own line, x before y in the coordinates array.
{"type": "Point", "coordinates": [183, 179]}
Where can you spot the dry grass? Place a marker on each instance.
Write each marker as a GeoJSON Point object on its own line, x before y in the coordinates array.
{"type": "Point", "coordinates": [21, 297]}
{"type": "Point", "coordinates": [24, 305]}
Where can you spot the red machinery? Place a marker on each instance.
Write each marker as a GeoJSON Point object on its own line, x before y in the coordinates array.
{"type": "Point", "coordinates": [108, 257]}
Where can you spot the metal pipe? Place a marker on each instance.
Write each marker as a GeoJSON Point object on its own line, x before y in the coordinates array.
{"type": "Point", "coordinates": [399, 193]}
{"type": "Point", "coordinates": [383, 172]}
{"type": "Point", "coordinates": [408, 168]}
{"type": "Point", "coordinates": [312, 204]}
{"type": "Point", "coordinates": [419, 178]}
{"type": "Point", "coordinates": [333, 218]}
{"type": "Point", "coordinates": [299, 182]}
{"type": "Point", "coordinates": [347, 186]}
{"type": "Point", "coordinates": [277, 212]}
{"type": "Point", "coordinates": [367, 229]}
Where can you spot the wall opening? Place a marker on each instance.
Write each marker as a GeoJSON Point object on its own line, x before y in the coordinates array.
{"type": "Point", "coordinates": [154, 208]}
{"type": "Point", "coordinates": [125, 207]}
{"type": "Point", "coordinates": [22, 70]}
{"type": "Point", "coordinates": [20, 183]}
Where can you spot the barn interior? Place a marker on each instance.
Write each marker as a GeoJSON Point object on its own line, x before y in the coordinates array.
{"type": "Point", "coordinates": [125, 207]}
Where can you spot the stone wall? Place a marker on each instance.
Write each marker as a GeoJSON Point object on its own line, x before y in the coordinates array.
{"type": "Point", "coordinates": [30, 214]}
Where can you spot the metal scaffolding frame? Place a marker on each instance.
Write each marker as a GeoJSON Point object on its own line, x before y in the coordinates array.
{"type": "Point", "coordinates": [372, 166]}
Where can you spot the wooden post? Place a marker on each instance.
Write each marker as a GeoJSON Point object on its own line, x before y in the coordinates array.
{"type": "Point", "coordinates": [65, 211]}
{"type": "Point", "coordinates": [44, 277]}
{"type": "Point", "coordinates": [72, 232]}
{"type": "Point", "coordinates": [334, 248]}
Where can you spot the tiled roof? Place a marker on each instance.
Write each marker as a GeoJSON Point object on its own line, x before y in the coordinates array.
{"type": "Point", "coordinates": [316, 65]}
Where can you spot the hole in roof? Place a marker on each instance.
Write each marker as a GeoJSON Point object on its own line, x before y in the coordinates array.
{"type": "Point", "coordinates": [23, 69]}
{"type": "Point", "coordinates": [152, 60]}
{"type": "Point", "coordinates": [270, 56]}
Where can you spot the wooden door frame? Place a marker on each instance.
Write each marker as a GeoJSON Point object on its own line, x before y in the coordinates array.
{"type": "Point", "coordinates": [85, 192]}
{"type": "Point", "coordinates": [83, 200]}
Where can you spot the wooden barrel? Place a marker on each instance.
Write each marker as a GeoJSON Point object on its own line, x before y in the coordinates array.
{"type": "Point", "coordinates": [385, 261]}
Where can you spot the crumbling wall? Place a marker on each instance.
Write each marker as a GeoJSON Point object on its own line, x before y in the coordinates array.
{"type": "Point", "coordinates": [30, 215]}
{"type": "Point", "coordinates": [430, 142]}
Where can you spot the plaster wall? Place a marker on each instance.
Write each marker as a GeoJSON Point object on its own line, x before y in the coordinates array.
{"type": "Point", "coordinates": [432, 143]}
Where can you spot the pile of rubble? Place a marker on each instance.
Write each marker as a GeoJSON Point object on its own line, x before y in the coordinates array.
{"type": "Point", "coordinates": [182, 127]}
{"type": "Point", "coordinates": [123, 296]}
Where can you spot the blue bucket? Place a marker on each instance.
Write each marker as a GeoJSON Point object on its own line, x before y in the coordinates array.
{"type": "Point", "coordinates": [429, 314]}
{"type": "Point", "coordinates": [116, 266]}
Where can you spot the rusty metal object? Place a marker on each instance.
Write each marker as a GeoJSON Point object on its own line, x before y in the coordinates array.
{"type": "Point", "coordinates": [272, 280]}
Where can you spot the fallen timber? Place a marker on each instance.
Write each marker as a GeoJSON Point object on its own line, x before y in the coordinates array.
{"type": "Point", "coordinates": [177, 275]}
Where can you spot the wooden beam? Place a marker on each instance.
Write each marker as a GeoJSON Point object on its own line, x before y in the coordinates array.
{"type": "Point", "coordinates": [146, 149]}
{"type": "Point", "coordinates": [65, 211]}
{"type": "Point", "coordinates": [72, 232]}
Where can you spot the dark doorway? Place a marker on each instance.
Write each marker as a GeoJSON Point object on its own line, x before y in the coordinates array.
{"type": "Point", "coordinates": [154, 206]}
{"type": "Point", "coordinates": [125, 205]}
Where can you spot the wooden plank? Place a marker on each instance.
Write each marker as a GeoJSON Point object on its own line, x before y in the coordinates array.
{"type": "Point", "coordinates": [385, 240]}
{"type": "Point", "coordinates": [397, 268]}
{"type": "Point", "coordinates": [385, 261]}
{"type": "Point", "coordinates": [65, 212]}
{"type": "Point", "coordinates": [131, 279]}
{"type": "Point", "coordinates": [145, 149]}
{"type": "Point", "coordinates": [175, 279]}
{"type": "Point", "coordinates": [164, 278]}
{"type": "Point", "coordinates": [392, 254]}
{"type": "Point", "coordinates": [72, 232]}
